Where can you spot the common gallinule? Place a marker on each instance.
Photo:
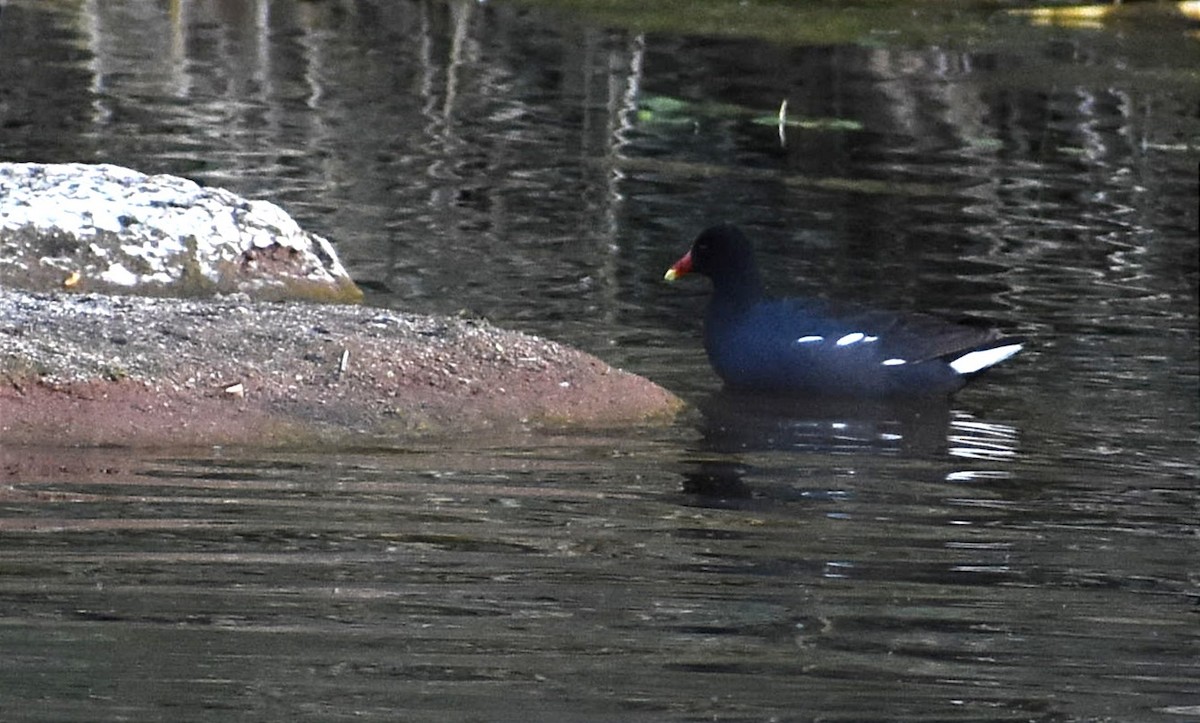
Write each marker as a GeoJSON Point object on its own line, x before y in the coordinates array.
{"type": "Point", "coordinates": [816, 347]}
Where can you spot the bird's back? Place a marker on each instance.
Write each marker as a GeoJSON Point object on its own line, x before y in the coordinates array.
{"type": "Point", "coordinates": [807, 346]}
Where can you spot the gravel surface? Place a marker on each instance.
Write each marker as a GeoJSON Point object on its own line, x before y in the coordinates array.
{"type": "Point", "coordinates": [98, 369]}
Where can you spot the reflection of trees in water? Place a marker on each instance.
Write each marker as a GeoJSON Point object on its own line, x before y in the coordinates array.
{"type": "Point", "coordinates": [449, 121]}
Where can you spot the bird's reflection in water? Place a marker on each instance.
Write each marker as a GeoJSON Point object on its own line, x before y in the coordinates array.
{"type": "Point", "coordinates": [735, 422]}
{"type": "Point", "coordinates": [716, 479]}
{"type": "Point", "coordinates": [735, 425]}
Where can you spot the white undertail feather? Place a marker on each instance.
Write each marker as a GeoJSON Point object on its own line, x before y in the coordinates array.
{"type": "Point", "coordinates": [975, 361]}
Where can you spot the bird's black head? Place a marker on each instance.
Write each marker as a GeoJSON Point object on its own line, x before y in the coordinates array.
{"type": "Point", "coordinates": [723, 254]}
{"type": "Point", "coordinates": [721, 249]}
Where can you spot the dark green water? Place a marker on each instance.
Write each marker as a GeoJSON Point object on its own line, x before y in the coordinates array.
{"type": "Point", "coordinates": [1028, 552]}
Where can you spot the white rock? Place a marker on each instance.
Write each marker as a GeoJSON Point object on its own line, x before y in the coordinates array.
{"type": "Point", "coordinates": [127, 231]}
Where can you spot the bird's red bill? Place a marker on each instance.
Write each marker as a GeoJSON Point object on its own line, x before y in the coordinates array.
{"type": "Point", "coordinates": [681, 267]}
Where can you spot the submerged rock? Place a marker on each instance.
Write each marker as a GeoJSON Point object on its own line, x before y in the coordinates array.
{"type": "Point", "coordinates": [108, 228]}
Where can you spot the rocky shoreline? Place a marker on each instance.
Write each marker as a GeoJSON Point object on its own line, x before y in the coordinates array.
{"type": "Point", "coordinates": [94, 369]}
{"type": "Point", "coordinates": [236, 360]}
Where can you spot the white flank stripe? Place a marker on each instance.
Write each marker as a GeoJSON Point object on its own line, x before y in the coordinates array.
{"type": "Point", "coordinates": [974, 361]}
{"type": "Point", "coordinates": [809, 339]}
{"type": "Point", "coordinates": [851, 338]}
{"type": "Point", "coordinates": [893, 362]}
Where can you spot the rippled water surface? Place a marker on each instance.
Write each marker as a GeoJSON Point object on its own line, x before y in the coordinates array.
{"type": "Point", "coordinates": [1028, 551]}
